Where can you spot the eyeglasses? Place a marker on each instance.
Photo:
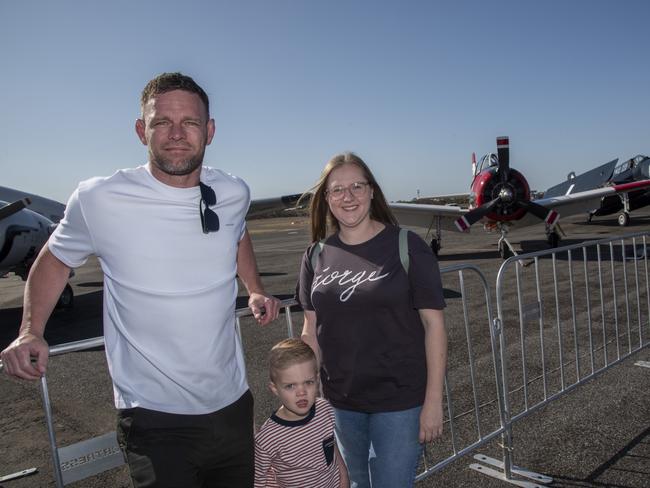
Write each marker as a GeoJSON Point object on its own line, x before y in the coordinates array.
{"type": "Point", "coordinates": [209, 219]}
{"type": "Point", "coordinates": [358, 189]}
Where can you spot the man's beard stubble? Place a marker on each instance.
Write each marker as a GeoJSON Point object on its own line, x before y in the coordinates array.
{"type": "Point", "coordinates": [182, 168]}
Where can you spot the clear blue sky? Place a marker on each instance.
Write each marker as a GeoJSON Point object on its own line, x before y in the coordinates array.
{"type": "Point", "coordinates": [413, 87]}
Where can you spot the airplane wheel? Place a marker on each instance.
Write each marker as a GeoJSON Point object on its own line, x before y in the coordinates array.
{"type": "Point", "coordinates": [624, 219]}
{"type": "Point", "coordinates": [553, 239]}
{"type": "Point", "coordinates": [435, 246]}
{"type": "Point", "coordinates": [504, 250]}
{"type": "Point", "coordinates": [66, 299]}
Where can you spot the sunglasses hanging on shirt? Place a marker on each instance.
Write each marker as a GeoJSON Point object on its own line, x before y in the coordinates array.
{"type": "Point", "coordinates": [209, 219]}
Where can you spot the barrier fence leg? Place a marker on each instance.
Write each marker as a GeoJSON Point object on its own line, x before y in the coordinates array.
{"type": "Point", "coordinates": [47, 406]}
{"type": "Point", "coordinates": [505, 469]}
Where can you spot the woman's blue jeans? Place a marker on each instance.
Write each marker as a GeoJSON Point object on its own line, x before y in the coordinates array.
{"type": "Point", "coordinates": [381, 450]}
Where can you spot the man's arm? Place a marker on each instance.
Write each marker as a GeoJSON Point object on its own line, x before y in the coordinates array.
{"type": "Point", "coordinates": [265, 307]}
{"type": "Point", "coordinates": [45, 283]}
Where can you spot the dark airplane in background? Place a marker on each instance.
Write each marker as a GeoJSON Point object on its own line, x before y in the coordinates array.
{"type": "Point", "coordinates": [610, 174]}
{"type": "Point", "coordinates": [634, 169]}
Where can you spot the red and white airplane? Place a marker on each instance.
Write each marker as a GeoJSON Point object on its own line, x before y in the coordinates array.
{"type": "Point", "coordinates": [500, 197]}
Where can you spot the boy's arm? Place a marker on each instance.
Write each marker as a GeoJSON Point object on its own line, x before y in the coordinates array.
{"type": "Point", "coordinates": [264, 477]}
{"type": "Point", "coordinates": [343, 470]}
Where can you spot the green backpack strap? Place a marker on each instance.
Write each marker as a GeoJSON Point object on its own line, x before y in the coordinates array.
{"type": "Point", "coordinates": [318, 247]}
{"type": "Point", "coordinates": [404, 249]}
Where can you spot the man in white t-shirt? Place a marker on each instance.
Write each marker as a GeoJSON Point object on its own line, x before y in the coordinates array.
{"type": "Point", "coordinates": [171, 238]}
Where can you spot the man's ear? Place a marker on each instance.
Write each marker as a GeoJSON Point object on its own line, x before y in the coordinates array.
{"type": "Point", "coordinates": [139, 129]}
{"type": "Point", "coordinates": [211, 130]}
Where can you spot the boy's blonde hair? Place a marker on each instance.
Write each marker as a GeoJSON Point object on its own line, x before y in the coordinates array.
{"type": "Point", "coordinates": [287, 353]}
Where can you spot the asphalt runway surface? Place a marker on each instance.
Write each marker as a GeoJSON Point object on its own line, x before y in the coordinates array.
{"type": "Point", "coordinates": [595, 436]}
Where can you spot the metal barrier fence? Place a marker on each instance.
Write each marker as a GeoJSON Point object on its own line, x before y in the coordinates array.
{"type": "Point", "coordinates": [472, 401]}
{"type": "Point", "coordinates": [474, 413]}
{"type": "Point", "coordinates": [556, 334]}
{"type": "Point", "coordinates": [549, 337]}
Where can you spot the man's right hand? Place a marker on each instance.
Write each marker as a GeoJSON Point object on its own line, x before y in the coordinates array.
{"type": "Point", "coordinates": [17, 357]}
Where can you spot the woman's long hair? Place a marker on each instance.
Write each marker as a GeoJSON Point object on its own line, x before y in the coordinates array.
{"type": "Point", "coordinates": [319, 212]}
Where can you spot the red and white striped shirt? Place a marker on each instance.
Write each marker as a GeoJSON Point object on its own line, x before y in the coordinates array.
{"type": "Point", "coordinates": [298, 454]}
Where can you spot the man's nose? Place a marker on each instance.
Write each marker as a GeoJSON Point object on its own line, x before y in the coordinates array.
{"type": "Point", "coordinates": [176, 132]}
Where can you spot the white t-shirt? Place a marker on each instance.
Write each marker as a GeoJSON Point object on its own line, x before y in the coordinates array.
{"type": "Point", "coordinates": [169, 289]}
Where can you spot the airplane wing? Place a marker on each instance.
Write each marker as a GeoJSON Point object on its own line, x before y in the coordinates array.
{"type": "Point", "coordinates": [594, 178]}
{"type": "Point", "coordinates": [427, 216]}
{"type": "Point", "coordinates": [277, 203]}
{"type": "Point", "coordinates": [586, 201]}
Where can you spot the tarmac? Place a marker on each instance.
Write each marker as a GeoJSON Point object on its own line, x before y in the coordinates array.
{"type": "Point", "coordinates": [595, 436]}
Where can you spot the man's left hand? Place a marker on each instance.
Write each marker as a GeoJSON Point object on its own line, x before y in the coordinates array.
{"type": "Point", "coordinates": [265, 308]}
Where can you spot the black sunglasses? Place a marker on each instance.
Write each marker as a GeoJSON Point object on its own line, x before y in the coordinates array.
{"type": "Point", "coordinates": [209, 219]}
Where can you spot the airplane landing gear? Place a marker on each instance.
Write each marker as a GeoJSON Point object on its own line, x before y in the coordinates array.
{"type": "Point", "coordinates": [624, 219]}
{"type": "Point", "coordinates": [435, 246]}
{"type": "Point", "coordinates": [553, 239]}
{"type": "Point", "coordinates": [504, 250]}
{"type": "Point", "coordinates": [66, 299]}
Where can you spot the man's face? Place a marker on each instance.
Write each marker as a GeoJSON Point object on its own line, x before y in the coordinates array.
{"type": "Point", "coordinates": [176, 129]}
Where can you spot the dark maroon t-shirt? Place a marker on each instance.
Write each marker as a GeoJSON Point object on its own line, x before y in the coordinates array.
{"type": "Point", "coordinates": [369, 330]}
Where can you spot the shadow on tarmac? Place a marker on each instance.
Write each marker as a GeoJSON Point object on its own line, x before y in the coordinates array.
{"type": "Point", "coordinates": [633, 458]}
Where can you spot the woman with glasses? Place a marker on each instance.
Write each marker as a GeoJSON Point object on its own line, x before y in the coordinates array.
{"type": "Point", "coordinates": [376, 323]}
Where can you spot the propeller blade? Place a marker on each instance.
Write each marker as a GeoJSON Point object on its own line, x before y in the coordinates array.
{"type": "Point", "coordinates": [550, 217]}
{"type": "Point", "coordinates": [503, 151]}
{"type": "Point", "coordinates": [466, 221]}
{"type": "Point", "coordinates": [14, 207]}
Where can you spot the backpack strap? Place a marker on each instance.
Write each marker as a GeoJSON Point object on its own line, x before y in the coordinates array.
{"type": "Point", "coordinates": [404, 249]}
{"type": "Point", "coordinates": [315, 252]}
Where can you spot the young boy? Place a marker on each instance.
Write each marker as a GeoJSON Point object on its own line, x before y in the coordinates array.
{"type": "Point", "coordinates": [296, 448]}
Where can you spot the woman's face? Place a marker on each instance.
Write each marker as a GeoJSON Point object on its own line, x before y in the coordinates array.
{"type": "Point", "coordinates": [349, 195]}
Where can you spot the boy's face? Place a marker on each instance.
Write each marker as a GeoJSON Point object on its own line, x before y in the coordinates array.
{"type": "Point", "coordinates": [295, 386]}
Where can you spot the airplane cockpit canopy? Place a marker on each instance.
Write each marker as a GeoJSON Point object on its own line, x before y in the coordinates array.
{"type": "Point", "coordinates": [629, 164]}
{"type": "Point", "coordinates": [487, 161]}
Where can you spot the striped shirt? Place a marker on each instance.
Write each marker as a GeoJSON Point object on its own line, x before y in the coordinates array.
{"type": "Point", "coordinates": [298, 454]}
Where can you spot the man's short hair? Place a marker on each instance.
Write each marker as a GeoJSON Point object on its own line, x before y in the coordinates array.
{"type": "Point", "coordinates": [166, 82]}
{"type": "Point", "coordinates": [287, 353]}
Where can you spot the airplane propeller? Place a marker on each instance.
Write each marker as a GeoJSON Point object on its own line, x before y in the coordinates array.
{"type": "Point", "coordinates": [506, 200]}
{"type": "Point", "coordinates": [14, 207]}
{"type": "Point", "coordinates": [503, 152]}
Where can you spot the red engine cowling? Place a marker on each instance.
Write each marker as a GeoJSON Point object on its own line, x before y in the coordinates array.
{"type": "Point", "coordinates": [488, 185]}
